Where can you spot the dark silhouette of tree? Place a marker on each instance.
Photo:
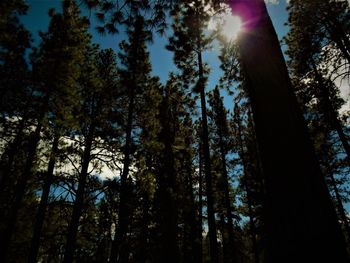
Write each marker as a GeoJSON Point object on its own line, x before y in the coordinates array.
{"type": "Point", "coordinates": [306, 222]}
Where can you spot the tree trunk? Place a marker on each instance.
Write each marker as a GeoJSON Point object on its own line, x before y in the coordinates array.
{"type": "Point", "coordinates": [214, 256]}
{"type": "Point", "coordinates": [340, 206]}
{"type": "Point", "coordinates": [167, 189]}
{"type": "Point", "coordinates": [200, 204]}
{"type": "Point", "coordinates": [301, 222]}
{"type": "Point", "coordinates": [118, 254]}
{"type": "Point", "coordinates": [252, 225]}
{"type": "Point", "coordinates": [231, 255]}
{"type": "Point", "coordinates": [11, 154]}
{"type": "Point", "coordinates": [79, 199]}
{"type": "Point", "coordinates": [144, 249]}
{"type": "Point", "coordinates": [246, 174]}
{"type": "Point", "coordinates": [193, 251]}
{"type": "Point", "coordinates": [40, 217]}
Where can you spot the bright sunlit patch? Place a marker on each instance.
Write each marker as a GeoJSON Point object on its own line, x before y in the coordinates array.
{"type": "Point", "coordinates": [229, 25]}
{"type": "Point", "coordinates": [232, 26]}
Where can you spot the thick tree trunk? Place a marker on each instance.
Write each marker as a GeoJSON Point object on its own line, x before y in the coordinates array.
{"type": "Point", "coordinates": [214, 256]}
{"type": "Point", "coordinates": [40, 217]}
{"type": "Point", "coordinates": [301, 222]}
{"type": "Point", "coordinates": [79, 199]}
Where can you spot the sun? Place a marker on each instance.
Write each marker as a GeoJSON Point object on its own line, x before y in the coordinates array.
{"type": "Point", "coordinates": [228, 25]}
{"type": "Point", "coordinates": [232, 26]}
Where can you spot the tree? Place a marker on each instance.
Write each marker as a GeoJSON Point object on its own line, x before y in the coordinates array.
{"type": "Point", "coordinates": [135, 77]}
{"type": "Point", "coordinates": [313, 60]}
{"type": "Point", "coordinates": [222, 141]}
{"type": "Point", "coordinates": [250, 182]}
{"type": "Point", "coordinates": [15, 90]}
{"type": "Point", "coordinates": [67, 33]}
{"type": "Point", "coordinates": [98, 99]}
{"type": "Point", "coordinates": [327, 21]}
{"type": "Point", "coordinates": [306, 222]}
{"type": "Point", "coordinates": [187, 44]}
{"type": "Point", "coordinates": [14, 41]}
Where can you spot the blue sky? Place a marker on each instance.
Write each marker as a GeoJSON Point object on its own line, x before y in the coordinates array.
{"type": "Point", "coordinates": [37, 20]}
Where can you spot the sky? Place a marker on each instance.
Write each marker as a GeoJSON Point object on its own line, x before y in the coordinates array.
{"type": "Point", "coordinates": [37, 19]}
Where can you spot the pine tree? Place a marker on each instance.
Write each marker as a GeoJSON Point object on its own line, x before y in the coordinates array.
{"type": "Point", "coordinates": [14, 41]}
{"type": "Point", "coordinates": [286, 153]}
{"type": "Point", "coordinates": [188, 43]}
{"type": "Point", "coordinates": [98, 99]}
{"type": "Point", "coordinates": [327, 21]}
{"type": "Point", "coordinates": [222, 142]}
{"type": "Point", "coordinates": [66, 30]}
{"type": "Point", "coordinates": [307, 54]}
{"type": "Point", "coordinates": [46, 96]}
{"type": "Point", "coordinates": [15, 106]}
{"type": "Point", "coordinates": [251, 181]}
{"type": "Point", "coordinates": [135, 76]}
{"type": "Point", "coordinates": [332, 166]}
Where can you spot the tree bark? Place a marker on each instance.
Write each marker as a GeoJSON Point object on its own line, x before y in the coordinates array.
{"type": "Point", "coordinates": [301, 223]}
